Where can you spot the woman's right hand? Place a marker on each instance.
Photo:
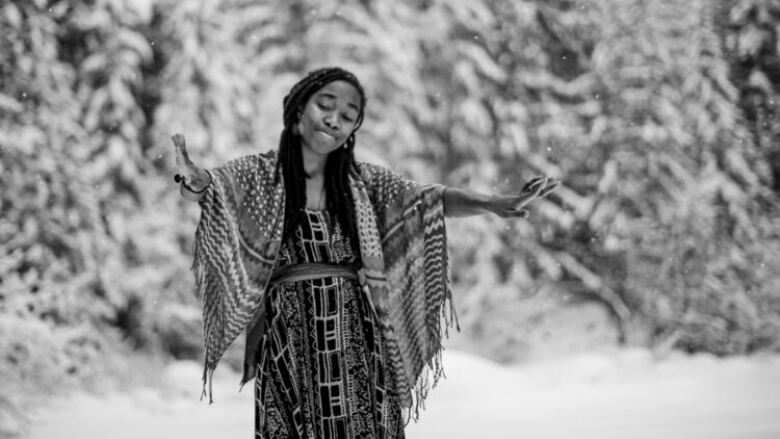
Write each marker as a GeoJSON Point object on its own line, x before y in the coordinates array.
{"type": "Point", "coordinates": [193, 179]}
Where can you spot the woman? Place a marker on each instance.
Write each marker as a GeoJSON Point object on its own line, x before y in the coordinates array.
{"type": "Point", "coordinates": [336, 270]}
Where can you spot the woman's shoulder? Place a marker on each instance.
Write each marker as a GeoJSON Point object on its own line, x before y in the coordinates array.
{"type": "Point", "coordinates": [261, 158]}
{"type": "Point", "coordinates": [375, 174]}
{"type": "Point", "coordinates": [369, 171]}
{"type": "Point", "coordinates": [267, 159]}
{"type": "Point", "coordinates": [263, 162]}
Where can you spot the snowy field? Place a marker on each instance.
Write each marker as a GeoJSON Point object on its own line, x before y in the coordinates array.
{"type": "Point", "coordinates": [624, 394]}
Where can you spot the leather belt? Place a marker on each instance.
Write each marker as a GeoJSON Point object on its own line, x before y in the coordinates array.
{"type": "Point", "coordinates": [312, 270]}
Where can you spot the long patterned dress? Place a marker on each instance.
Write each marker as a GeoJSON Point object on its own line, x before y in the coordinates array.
{"type": "Point", "coordinates": [322, 372]}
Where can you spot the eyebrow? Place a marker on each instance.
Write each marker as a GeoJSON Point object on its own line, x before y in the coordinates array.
{"type": "Point", "coordinates": [325, 94]}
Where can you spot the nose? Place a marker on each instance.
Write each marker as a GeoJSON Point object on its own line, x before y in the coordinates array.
{"type": "Point", "coordinates": [330, 121]}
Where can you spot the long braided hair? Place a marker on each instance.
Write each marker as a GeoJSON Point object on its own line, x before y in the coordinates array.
{"type": "Point", "coordinates": [340, 163]}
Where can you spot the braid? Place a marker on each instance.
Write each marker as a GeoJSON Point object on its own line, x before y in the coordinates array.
{"type": "Point", "coordinates": [339, 202]}
{"type": "Point", "coordinates": [291, 163]}
{"type": "Point", "coordinates": [340, 163]}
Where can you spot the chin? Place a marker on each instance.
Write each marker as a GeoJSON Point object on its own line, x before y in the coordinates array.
{"type": "Point", "coordinates": [323, 149]}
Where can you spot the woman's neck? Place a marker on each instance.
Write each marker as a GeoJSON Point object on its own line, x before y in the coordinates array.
{"type": "Point", "coordinates": [314, 166]}
{"type": "Point", "coordinates": [313, 163]}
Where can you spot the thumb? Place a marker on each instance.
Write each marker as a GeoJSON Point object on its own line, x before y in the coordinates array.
{"type": "Point", "coordinates": [183, 162]}
{"type": "Point", "coordinates": [179, 144]}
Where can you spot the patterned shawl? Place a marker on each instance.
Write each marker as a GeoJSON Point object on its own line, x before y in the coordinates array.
{"type": "Point", "coordinates": [403, 249]}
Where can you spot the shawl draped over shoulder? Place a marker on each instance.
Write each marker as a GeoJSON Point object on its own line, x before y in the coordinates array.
{"type": "Point", "coordinates": [403, 247]}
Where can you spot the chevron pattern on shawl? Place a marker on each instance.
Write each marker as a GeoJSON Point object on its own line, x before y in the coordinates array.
{"type": "Point", "coordinates": [416, 290]}
{"type": "Point", "coordinates": [236, 242]}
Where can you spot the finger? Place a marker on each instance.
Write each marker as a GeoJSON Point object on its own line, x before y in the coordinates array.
{"type": "Point", "coordinates": [531, 183]}
{"type": "Point", "coordinates": [541, 183]}
{"type": "Point", "coordinates": [178, 140]}
{"type": "Point", "coordinates": [183, 161]}
{"type": "Point", "coordinates": [180, 145]}
{"type": "Point", "coordinates": [530, 189]}
{"type": "Point", "coordinates": [549, 189]}
{"type": "Point", "coordinates": [537, 190]}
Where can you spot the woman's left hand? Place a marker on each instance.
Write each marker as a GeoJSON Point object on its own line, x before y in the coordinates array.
{"type": "Point", "coordinates": [512, 206]}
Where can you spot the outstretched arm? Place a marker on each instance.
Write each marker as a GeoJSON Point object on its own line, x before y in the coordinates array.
{"type": "Point", "coordinates": [192, 179]}
{"type": "Point", "coordinates": [463, 202]}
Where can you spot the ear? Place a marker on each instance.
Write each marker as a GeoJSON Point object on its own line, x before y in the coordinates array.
{"type": "Point", "coordinates": [296, 126]}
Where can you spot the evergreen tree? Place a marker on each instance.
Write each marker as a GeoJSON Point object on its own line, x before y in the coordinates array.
{"type": "Point", "coordinates": [637, 117]}
{"type": "Point", "coordinates": [660, 117]}
{"type": "Point", "coordinates": [751, 41]}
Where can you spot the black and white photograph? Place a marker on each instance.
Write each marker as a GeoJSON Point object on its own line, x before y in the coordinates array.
{"type": "Point", "coordinates": [389, 219]}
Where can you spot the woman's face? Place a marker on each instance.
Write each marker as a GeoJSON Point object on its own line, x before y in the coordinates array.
{"type": "Point", "coordinates": [329, 117]}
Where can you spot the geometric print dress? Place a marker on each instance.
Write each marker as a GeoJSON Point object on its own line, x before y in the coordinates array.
{"type": "Point", "coordinates": [321, 371]}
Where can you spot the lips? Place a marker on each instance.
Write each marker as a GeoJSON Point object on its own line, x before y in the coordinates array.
{"type": "Point", "coordinates": [325, 134]}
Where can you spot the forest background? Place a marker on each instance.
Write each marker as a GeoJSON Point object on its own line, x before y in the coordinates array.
{"type": "Point", "coordinates": [661, 117]}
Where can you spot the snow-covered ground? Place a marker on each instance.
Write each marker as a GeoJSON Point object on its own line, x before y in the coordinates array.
{"type": "Point", "coordinates": [624, 394]}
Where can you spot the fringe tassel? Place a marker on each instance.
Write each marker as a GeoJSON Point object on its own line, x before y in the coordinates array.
{"type": "Point", "coordinates": [243, 381]}
{"type": "Point", "coordinates": [434, 368]}
{"type": "Point", "coordinates": [449, 314]}
{"type": "Point", "coordinates": [208, 379]}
